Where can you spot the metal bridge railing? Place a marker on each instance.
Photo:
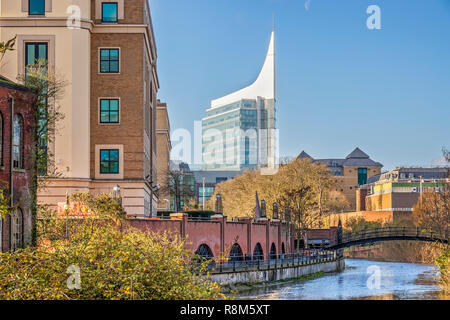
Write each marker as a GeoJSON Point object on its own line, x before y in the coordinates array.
{"type": "Point", "coordinates": [269, 262]}
{"type": "Point", "coordinates": [394, 232]}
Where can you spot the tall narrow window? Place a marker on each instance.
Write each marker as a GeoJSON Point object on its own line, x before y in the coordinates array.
{"type": "Point", "coordinates": [109, 60]}
{"type": "Point", "coordinates": [36, 7]}
{"type": "Point", "coordinates": [109, 111]}
{"type": "Point", "coordinates": [35, 52]}
{"type": "Point", "coordinates": [18, 142]}
{"type": "Point", "coordinates": [109, 12]}
{"type": "Point", "coordinates": [362, 176]}
{"type": "Point", "coordinates": [109, 161]}
{"type": "Point", "coordinates": [16, 229]}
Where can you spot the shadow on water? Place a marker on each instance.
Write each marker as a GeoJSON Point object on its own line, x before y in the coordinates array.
{"type": "Point", "coordinates": [396, 281]}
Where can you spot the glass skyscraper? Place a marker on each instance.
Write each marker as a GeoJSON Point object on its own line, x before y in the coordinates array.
{"type": "Point", "coordinates": [239, 130]}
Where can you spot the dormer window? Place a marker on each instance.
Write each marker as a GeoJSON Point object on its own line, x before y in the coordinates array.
{"type": "Point", "coordinates": [110, 12]}
{"type": "Point", "coordinates": [36, 7]}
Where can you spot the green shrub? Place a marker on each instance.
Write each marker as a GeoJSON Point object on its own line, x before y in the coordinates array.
{"type": "Point", "coordinates": [115, 262]}
{"type": "Point", "coordinates": [444, 264]}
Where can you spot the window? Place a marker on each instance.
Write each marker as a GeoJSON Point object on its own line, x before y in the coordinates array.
{"type": "Point", "coordinates": [362, 176]}
{"type": "Point", "coordinates": [36, 7]}
{"type": "Point", "coordinates": [18, 142]}
{"type": "Point", "coordinates": [109, 161]}
{"type": "Point", "coordinates": [109, 12]}
{"type": "Point", "coordinates": [34, 52]}
{"type": "Point", "coordinates": [16, 229]}
{"type": "Point", "coordinates": [109, 111]}
{"type": "Point", "coordinates": [109, 60]}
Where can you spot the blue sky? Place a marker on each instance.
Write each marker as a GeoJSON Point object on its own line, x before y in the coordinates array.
{"type": "Point", "coordinates": [339, 84]}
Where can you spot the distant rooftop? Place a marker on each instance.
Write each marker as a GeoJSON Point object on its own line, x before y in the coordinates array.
{"type": "Point", "coordinates": [410, 174]}
{"type": "Point", "coordinates": [356, 158]}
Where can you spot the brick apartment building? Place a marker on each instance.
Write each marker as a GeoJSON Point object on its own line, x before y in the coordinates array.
{"type": "Point", "coordinates": [17, 116]}
{"type": "Point", "coordinates": [108, 134]}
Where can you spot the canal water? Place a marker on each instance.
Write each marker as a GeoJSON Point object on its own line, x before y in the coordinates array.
{"type": "Point", "coordinates": [361, 279]}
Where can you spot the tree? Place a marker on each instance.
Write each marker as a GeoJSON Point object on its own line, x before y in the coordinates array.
{"type": "Point", "coordinates": [432, 211]}
{"type": "Point", "coordinates": [48, 89]}
{"type": "Point", "coordinates": [6, 46]}
{"type": "Point", "coordinates": [180, 185]}
{"type": "Point", "coordinates": [303, 186]}
{"type": "Point", "coordinates": [105, 259]}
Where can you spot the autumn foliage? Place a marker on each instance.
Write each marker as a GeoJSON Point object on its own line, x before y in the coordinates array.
{"type": "Point", "coordinates": [114, 262]}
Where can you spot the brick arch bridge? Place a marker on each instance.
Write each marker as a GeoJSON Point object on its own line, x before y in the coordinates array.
{"type": "Point", "coordinates": [217, 236]}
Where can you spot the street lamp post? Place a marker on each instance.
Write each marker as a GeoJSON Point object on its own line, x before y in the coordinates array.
{"type": "Point", "coordinates": [203, 196]}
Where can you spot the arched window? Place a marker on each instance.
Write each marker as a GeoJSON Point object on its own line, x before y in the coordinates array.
{"type": "Point", "coordinates": [258, 253]}
{"type": "Point", "coordinates": [236, 253]}
{"type": "Point", "coordinates": [273, 251]}
{"type": "Point", "coordinates": [16, 229]}
{"type": "Point", "coordinates": [1, 139]}
{"type": "Point", "coordinates": [283, 250]}
{"type": "Point", "coordinates": [18, 142]}
{"type": "Point", "coordinates": [204, 251]}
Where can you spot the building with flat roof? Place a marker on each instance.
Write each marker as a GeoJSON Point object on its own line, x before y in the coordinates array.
{"type": "Point", "coordinates": [399, 190]}
{"type": "Point", "coordinates": [239, 130]}
{"type": "Point", "coordinates": [350, 173]}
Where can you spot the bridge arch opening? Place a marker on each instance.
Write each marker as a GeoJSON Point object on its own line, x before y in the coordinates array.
{"type": "Point", "coordinates": [258, 253]}
{"type": "Point", "coordinates": [204, 252]}
{"type": "Point", "coordinates": [273, 251]}
{"type": "Point", "coordinates": [236, 253]}
{"type": "Point", "coordinates": [283, 249]}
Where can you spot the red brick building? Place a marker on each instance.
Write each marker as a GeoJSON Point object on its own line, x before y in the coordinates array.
{"type": "Point", "coordinates": [17, 117]}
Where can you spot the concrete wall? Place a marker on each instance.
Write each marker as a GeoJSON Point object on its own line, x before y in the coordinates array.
{"type": "Point", "coordinates": [278, 274]}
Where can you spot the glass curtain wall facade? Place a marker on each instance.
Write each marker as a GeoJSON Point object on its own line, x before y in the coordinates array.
{"type": "Point", "coordinates": [239, 130]}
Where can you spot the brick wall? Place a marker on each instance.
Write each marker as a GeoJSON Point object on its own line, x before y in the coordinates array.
{"type": "Point", "coordinates": [23, 102]}
{"type": "Point", "coordinates": [127, 86]}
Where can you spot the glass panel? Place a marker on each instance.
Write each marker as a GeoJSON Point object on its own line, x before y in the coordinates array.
{"type": "Point", "coordinates": [104, 66]}
{"type": "Point", "coordinates": [104, 167]}
{"type": "Point", "coordinates": [114, 167]}
{"type": "Point", "coordinates": [109, 12]}
{"type": "Point", "coordinates": [104, 155]}
{"type": "Point", "coordinates": [114, 155]}
{"type": "Point", "coordinates": [114, 54]}
{"type": "Point", "coordinates": [104, 105]}
{"type": "Point", "coordinates": [114, 66]}
{"type": "Point", "coordinates": [104, 53]}
{"type": "Point", "coordinates": [114, 117]}
{"type": "Point", "coordinates": [30, 54]}
{"type": "Point", "coordinates": [37, 7]}
{"type": "Point", "coordinates": [114, 105]}
{"type": "Point", "coordinates": [42, 51]}
{"type": "Point", "coordinates": [104, 118]}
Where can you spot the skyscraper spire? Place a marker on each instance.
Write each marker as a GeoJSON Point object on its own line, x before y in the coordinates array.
{"type": "Point", "coordinates": [264, 86]}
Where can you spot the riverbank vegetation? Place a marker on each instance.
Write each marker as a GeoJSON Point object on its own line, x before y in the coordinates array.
{"type": "Point", "coordinates": [100, 258]}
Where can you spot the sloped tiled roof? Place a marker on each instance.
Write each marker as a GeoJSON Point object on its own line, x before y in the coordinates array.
{"type": "Point", "coordinates": [304, 155]}
{"type": "Point", "coordinates": [357, 154]}
{"type": "Point", "coordinates": [356, 158]}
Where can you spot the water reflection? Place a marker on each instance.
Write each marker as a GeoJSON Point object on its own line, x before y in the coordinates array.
{"type": "Point", "coordinates": [362, 280]}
